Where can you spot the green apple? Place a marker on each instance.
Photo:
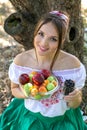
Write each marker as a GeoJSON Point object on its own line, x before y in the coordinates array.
{"type": "Point", "coordinates": [27, 88]}
{"type": "Point", "coordinates": [38, 97]}
{"type": "Point", "coordinates": [30, 76]}
{"type": "Point", "coordinates": [50, 78]}
{"type": "Point", "coordinates": [50, 86]}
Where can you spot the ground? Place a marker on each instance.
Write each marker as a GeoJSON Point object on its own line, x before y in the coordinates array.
{"type": "Point", "coordinates": [9, 48]}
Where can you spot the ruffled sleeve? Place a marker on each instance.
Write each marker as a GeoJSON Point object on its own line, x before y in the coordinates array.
{"type": "Point", "coordinates": [80, 77]}
{"type": "Point", "coordinates": [15, 71]}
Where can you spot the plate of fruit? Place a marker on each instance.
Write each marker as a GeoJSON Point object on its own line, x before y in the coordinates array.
{"type": "Point", "coordinates": [38, 85]}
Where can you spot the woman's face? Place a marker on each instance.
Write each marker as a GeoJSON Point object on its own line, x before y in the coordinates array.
{"type": "Point", "coordinates": [46, 40]}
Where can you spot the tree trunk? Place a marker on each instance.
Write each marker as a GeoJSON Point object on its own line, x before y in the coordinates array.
{"type": "Point", "coordinates": [20, 25]}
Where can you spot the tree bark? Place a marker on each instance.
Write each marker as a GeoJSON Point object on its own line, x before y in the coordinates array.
{"type": "Point", "coordinates": [21, 24]}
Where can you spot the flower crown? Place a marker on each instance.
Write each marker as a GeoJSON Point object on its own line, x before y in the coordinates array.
{"type": "Point", "coordinates": [58, 13]}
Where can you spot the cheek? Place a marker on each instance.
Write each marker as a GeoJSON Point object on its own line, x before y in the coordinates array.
{"type": "Point", "coordinates": [36, 41]}
{"type": "Point", "coordinates": [54, 47]}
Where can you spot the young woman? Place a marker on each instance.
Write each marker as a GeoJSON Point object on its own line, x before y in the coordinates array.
{"type": "Point", "coordinates": [53, 113]}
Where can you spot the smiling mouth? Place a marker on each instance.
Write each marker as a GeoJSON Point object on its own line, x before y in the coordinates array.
{"type": "Point", "coordinates": [43, 49]}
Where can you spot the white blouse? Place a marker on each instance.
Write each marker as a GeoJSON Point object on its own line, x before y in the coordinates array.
{"type": "Point", "coordinates": [54, 105]}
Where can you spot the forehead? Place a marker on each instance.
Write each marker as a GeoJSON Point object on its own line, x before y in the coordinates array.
{"type": "Point", "coordinates": [49, 28]}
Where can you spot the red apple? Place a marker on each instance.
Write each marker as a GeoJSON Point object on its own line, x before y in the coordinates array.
{"type": "Point", "coordinates": [46, 73]}
{"type": "Point", "coordinates": [24, 78]}
{"type": "Point", "coordinates": [38, 79]}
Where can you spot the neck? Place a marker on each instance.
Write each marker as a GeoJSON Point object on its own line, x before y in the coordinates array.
{"type": "Point", "coordinates": [44, 62]}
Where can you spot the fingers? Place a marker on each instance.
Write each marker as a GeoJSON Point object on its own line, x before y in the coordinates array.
{"type": "Point", "coordinates": [74, 98]}
{"type": "Point", "coordinates": [76, 92]}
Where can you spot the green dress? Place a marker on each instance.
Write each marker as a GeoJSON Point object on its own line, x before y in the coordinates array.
{"type": "Point", "coordinates": [55, 116]}
{"type": "Point", "coordinates": [17, 117]}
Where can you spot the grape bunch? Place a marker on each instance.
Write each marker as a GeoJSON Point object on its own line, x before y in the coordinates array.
{"type": "Point", "coordinates": [69, 86]}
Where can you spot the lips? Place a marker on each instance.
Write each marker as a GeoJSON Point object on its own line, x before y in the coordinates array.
{"type": "Point", "coordinates": [43, 48]}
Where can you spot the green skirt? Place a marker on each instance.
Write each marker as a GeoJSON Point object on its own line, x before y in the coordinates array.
{"type": "Point", "coordinates": [17, 117]}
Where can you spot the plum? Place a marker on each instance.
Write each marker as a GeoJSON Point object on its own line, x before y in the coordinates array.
{"type": "Point", "coordinates": [38, 79]}
{"type": "Point", "coordinates": [24, 78]}
{"type": "Point", "coordinates": [46, 73]}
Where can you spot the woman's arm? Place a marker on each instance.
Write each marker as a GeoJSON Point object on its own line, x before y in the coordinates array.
{"type": "Point", "coordinates": [16, 91]}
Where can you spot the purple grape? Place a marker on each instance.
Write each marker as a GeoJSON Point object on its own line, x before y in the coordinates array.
{"type": "Point", "coordinates": [69, 86]}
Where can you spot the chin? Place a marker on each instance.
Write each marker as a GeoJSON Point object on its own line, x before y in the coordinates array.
{"type": "Point", "coordinates": [42, 53]}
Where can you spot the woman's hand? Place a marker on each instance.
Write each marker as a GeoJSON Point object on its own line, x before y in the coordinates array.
{"type": "Point", "coordinates": [16, 91]}
{"type": "Point", "coordinates": [74, 98]}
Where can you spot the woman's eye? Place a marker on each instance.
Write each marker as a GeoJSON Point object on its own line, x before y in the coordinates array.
{"type": "Point", "coordinates": [41, 33]}
{"type": "Point", "coordinates": [53, 39]}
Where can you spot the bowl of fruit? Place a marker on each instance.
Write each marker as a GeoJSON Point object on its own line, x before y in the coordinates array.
{"type": "Point", "coordinates": [38, 85]}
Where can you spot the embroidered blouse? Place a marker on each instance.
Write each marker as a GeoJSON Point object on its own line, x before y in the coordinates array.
{"type": "Point", "coordinates": [54, 105]}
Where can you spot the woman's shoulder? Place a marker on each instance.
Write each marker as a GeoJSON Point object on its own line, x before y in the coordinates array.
{"type": "Point", "coordinates": [68, 61]}
{"type": "Point", "coordinates": [71, 60]}
{"type": "Point", "coordinates": [22, 58]}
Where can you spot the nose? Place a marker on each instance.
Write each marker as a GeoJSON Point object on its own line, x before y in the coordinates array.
{"type": "Point", "coordinates": [44, 42]}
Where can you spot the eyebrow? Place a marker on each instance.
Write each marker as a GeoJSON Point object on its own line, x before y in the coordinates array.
{"type": "Point", "coordinates": [50, 36]}
{"type": "Point", "coordinates": [55, 37]}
